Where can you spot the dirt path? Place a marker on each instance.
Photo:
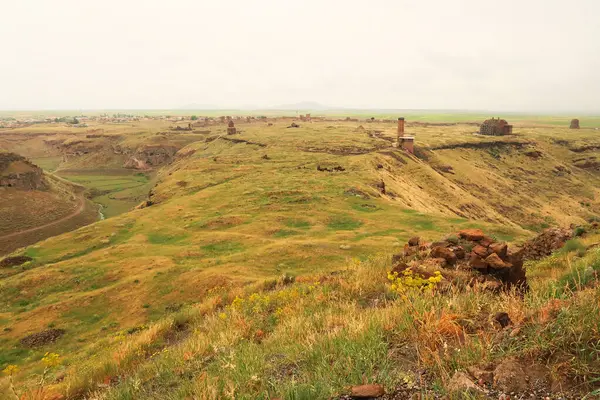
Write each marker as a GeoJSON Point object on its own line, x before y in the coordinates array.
{"type": "Point", "coordinates": [79, 210]}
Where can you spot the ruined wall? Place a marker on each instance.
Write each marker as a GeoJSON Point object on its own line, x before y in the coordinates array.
{"type": "Point", "coordinates": [574, 124]}
{"type": "Point", "coordinates": [495, 127]}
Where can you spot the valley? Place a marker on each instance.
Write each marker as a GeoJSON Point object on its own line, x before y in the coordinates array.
{"type": "Point", "coordinates": [220, 253]}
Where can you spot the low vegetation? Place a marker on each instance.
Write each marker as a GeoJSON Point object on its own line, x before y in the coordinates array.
{"type": "Point", "coordinates": [260, 267]}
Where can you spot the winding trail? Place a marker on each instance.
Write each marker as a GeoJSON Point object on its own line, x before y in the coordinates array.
{"type": "Point", "coordinates": [79, 210]}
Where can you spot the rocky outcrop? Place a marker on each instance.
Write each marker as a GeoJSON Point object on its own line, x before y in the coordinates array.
{"type": "Point", "coordinates": [545, 243]}
{"type": "Point", "coordinates": [42, 338]}
{"type": "Point", "coordinates": [150, 156]}
{"type": "Point", "coordinates": [17, 172]}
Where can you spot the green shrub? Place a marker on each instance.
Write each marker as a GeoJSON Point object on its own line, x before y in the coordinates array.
{"type": "Point", "coordinates": [573, 245]}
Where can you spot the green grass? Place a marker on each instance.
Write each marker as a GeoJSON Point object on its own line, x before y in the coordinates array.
{"type": "Point", "coordinates": [116, 192]}
{"type": "Point", "coordinates": [160, 238]}
{"type": "Point", "coordinates": [344, 223]}
{"type": "Point", "coordinates": [297, 223]}
{"type": "Point", "coordinates": [222, 248]}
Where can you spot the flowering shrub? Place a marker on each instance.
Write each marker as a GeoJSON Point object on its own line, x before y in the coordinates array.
{"type": "Point", "coordinates": [408, 280]}
{"type": "Point", "coordinates": [51, 360]}
{"type": "Point", "coordinates": [10, 370]}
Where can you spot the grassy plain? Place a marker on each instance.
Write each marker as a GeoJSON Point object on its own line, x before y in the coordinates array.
{"type": "Point", "coordinates": [147, 298]}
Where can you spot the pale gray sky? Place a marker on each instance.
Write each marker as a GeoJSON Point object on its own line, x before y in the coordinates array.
{"type": "Point", "coordinates": [530, 55]}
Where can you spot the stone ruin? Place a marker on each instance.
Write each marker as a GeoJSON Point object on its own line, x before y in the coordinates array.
{"type": "Point", "coordinates": [574, 124]}
{"type": "Point", "coordinates": [471, 258]}
{"type": "Point", "coordinates": [407, 143]}
{"type": "Point", "coordinates": [231, 128]}
{"type": "Point", "coordinates": [467, 258]}
{"type": "Point", "coordinates": [495, 127]}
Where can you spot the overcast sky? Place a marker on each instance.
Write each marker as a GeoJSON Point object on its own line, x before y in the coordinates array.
{"type": "Point", "coordinates": [519, 55]}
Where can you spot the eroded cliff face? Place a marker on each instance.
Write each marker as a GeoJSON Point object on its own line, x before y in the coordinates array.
{"type": "Point", "coordinates": [150, 156]}
{"type": "Point", "coordinates": [17, 172]}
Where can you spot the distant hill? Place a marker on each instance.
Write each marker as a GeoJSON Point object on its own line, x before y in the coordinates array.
{"type": "Point", "coordinates": [304, 105]}
{"type": "Point", "coordinates": [198, 106]}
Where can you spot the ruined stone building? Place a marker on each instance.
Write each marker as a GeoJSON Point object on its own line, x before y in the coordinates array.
{"type": "Point", "coordinates": [574, 124]}
{"type": "Point", "coordinates": [404, 141]}
{"type": "Point", "coordinates": [495, 127]}
{"type": "Point", "coordinates": [231, 128]}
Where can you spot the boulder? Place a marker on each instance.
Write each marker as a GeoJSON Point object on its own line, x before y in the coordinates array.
{"type": "Point", "coordinates": [462, 383]}
{"type": "Point", "coordinates": [445, 253]}
{"type": "Point", "coordinates": [500, 248]}
{"type": "Point", "coordinates": [486, 241]}
{"type": "Point", "coordinates": [478, 263]}
{"type": "Point", "coordinates": [367, 391]}
{"type": "Point", "coordinates": [471, 234]}
{"type": "Point", "coordinates": [459, 252]}
{"type": "Point", "coordinates": [399, 268]}
{"type": "Point", "coordinates": [414, 241]}
{"type": "Point", "coordinates": [410, 251]}
{"type": "Point", "coordinates": [495, 262]}
{"type": "Point", "coordinates": [481, 251]}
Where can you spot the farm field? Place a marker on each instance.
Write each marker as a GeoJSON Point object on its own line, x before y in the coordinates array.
{"type": "Point", "coordinates": [116, 191]}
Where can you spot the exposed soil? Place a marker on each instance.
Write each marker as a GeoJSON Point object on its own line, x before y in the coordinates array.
{"type": "Point", "coordinates": [14, 261]}
{"type": "Point", "coordinates": [481, 145]}
{"type": "Point", "coordinates": [80, 208]}
{"type": "Point", "coordinates": [233, 140]}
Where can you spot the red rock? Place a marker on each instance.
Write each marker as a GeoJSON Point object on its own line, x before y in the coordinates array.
{"type": "Point", "coordinates": [397, 258]}
{"type": "Point", "coordinates": [495, 262]}
{"type": "Point", "coordinates": [437, 262]}
{"type": "Point", "coordinates": [414, 241]}
{"type": "Point", "coordinates": [445, 253]}
{"type": "Point", "coordinates": [424, 246]}
{"type": "Point", "coordinates": [399, 268]}
{"type": "Point", "coordinates": [500, 248]}
{"type": "Point", "coordinates": [481, 251]}
{"type": "Point", "coordinates": [486, 241]}
{"type": "Point", "coordinates": [459, 252]}
{"type": "Point", "coordinates": [367, 391]}
{"type": "Point", "coordinates": [471, 234]}
{"type": "Point", "coordinates": [409, 251]}
{"type": "Point", "coordinates": [478, 263]}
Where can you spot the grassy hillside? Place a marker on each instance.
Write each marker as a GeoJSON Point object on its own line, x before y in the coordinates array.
{"type": "Point", "coordinates": [146, 298]}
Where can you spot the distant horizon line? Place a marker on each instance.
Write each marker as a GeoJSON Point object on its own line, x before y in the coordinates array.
{"type": "Point", "coordinates": [325, 109]}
